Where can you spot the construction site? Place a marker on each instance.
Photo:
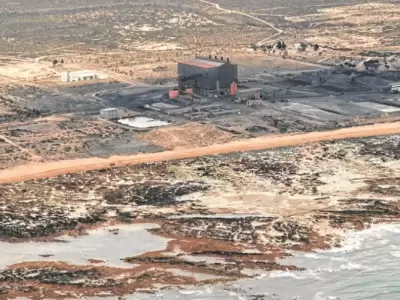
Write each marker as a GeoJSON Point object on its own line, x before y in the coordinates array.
{"type": "Point", "coordinates": [194, 149]}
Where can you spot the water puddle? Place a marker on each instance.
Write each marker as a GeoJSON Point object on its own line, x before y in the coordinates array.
{"type": "Point", "coordinates": [197, 276]}
{"type": "Point", "coordinates": [106, 245]}
{"type": "Point", "coordinates": [142, 122]}
{"type": "Point", "coordinates": [215, 216]}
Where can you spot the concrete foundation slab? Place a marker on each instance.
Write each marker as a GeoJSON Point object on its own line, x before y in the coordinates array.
{"type": "Point", "coordinates": [160, 105]}
{"type": "Point", "coordinates": [333, 105]}
{"type": "Point", "coordinates": [313, 112]}
{"type": "Point", "coordinates": [379, 107]}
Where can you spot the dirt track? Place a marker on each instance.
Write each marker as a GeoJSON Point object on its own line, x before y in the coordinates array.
{"type": "Point", "coordinates": [50, 169]}
{"type": "Point", "coordinates": [260, 43]}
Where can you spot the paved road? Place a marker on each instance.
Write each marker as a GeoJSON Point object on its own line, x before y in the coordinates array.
{"type": "Point", "coordinates": [51, 169]}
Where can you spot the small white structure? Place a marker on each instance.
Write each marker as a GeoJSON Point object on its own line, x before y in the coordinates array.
{"type": "Point", "coordinates": [394, 87]}
{"type": "Point", "coordinates": [249, 94]}
{"type": "Point", "coordinates": [109, 113]}
{"type": "Point", "coordinates": [81, 75]}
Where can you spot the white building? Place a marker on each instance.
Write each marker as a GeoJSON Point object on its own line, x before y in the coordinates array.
{"type": "Point", "coordinates": [109, 113]}
{"type": "Point", "coordinates": [81, 75]}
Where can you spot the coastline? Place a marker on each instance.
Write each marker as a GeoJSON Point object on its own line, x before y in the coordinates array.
{"type": "Point", "coordinates": [220, 219]}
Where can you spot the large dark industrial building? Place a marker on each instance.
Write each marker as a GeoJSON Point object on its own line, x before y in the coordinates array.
{"type": "Point", "coordinates": [207, 76]}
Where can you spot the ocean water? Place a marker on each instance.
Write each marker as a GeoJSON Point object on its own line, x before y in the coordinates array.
{"type": "Point", "coordinates": [367, 267]}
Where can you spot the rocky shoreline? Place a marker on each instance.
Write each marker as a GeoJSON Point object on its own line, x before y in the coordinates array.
{"type": "Point", "coordinates": [221, 218]}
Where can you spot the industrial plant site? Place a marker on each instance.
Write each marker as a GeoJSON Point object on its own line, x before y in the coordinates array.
{"type": "Point", "coordinates": [190, 149]}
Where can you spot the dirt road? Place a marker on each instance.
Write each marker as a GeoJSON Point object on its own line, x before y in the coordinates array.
{"type": "Point", "coordinates": [263, 41]}
{"type": "Point", "coordinates": [11, 143]}
{"type": "Point", "coordinates": [50, 169]}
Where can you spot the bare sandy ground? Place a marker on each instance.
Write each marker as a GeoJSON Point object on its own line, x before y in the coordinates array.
{"type": "Point", "coordinates": [188, 136]}
{"type": "Point", "coordinates": [50, 169]}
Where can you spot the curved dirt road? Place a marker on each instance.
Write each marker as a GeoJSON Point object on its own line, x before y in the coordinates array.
{"type": "Point", "coordinates": [263, 41]}
{"type": "Point", "coordinates": [51, 169]}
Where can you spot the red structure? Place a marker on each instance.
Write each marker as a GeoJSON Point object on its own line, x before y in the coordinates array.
{"type": "Point", "coordinates": [233, 88]}
{"type": "Point", "coordinates": [173, 94]}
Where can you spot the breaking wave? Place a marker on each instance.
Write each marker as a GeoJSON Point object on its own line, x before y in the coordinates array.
{"type": "Point", "coordinates": [292, 274]}
{"type": "Point", "coordinates": [319, 256]}
{"type": "Point", "coordinates": [346, 266]}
